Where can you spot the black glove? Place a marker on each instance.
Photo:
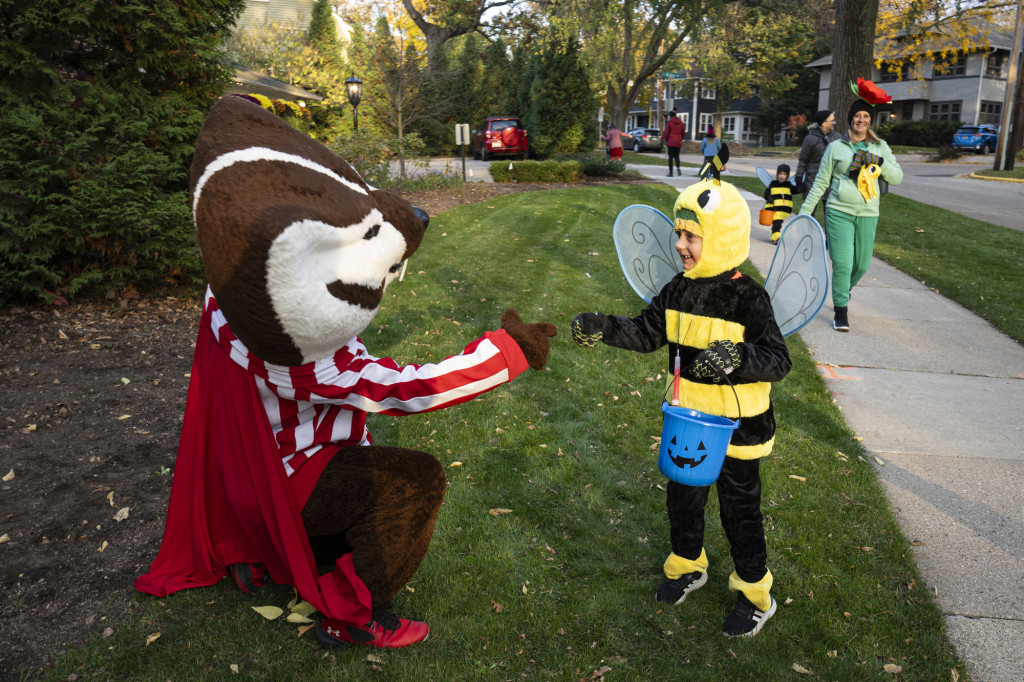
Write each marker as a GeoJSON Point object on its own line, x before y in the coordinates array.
{"type": "Point", "coordinates": [588, 328]}
{"type": "Point", "coordinates": [863, 158]}
{"type": "Point", "coordinates": [720, 358]}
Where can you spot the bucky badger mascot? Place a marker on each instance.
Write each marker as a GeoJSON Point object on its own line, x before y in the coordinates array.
{"type": "Point", "coordinates": [275, 457]}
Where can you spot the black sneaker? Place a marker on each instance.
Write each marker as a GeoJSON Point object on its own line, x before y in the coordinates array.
{"type": "Point", "coordinates": [675, 591]}
{"type": "Point", "coordinates": [745, 620]}
{"type": "Point", "coordinates": [841, 323]}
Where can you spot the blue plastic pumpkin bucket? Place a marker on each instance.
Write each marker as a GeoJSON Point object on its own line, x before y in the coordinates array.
{"type": "Point", "coordinates": [693, 445]}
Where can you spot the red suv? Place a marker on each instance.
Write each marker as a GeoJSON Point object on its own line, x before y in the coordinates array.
{"type": "Point", "coordinates": [502, 135]}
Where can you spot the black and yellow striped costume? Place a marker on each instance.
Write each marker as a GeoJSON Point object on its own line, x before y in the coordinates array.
{"type": "Point", "coordinates": [779, 198]}
{"type": "Point", "coordinates": [714, 302]}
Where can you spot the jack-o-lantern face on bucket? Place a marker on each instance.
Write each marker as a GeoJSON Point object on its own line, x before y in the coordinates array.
{"type": "Point", "coordinates": [683, 462]}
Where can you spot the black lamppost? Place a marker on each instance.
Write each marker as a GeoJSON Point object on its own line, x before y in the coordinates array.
{"type": "Point", "coordinates": [354, 86]}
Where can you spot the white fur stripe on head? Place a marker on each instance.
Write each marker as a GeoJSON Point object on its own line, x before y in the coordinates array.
{"type": "Point", "coordinates": [264, 154]}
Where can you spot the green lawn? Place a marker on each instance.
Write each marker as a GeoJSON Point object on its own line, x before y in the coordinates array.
{"type": "Point", "coordinates": [1017, 173]}
{"type": "Point", "coordinates": [562, 586]}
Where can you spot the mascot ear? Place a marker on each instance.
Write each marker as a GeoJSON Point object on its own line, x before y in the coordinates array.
{"type": "Point", "coordinates": [297, 248]}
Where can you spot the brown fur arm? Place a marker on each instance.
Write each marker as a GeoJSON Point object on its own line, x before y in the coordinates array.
{"type": "Point", "coordinates": [532, 338]}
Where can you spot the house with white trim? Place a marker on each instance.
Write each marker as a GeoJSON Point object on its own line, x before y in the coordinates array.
{"type": "Point", "coordinates": [935, 80]}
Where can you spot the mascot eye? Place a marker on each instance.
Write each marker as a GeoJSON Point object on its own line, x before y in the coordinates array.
{"type": "Point", "coordinates": [709, 200]}
{"type": "Point", "coordinates": [372, 232]}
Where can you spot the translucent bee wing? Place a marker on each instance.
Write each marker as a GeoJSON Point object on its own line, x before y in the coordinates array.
{"type": "Point", "coordinates": [764, 176]}
{"type": "Point", "coordinates": [645, 242]}
{"type": "Point", "coordinates": [798, 278]}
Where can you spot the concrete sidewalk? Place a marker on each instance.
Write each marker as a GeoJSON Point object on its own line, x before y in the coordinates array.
{"type": "Point", "coordinates": [937, 394]}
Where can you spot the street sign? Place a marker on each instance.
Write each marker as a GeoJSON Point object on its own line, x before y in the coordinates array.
{"type": "Point", "coordinates": [671, 75]}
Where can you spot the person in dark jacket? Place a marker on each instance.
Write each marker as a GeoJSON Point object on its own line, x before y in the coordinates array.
{"type": "Point", "coordinates": [675, 131]}
{"type": "Point", "coordinates": [819, 135]}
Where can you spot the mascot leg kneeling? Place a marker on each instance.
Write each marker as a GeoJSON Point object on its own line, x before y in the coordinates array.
{"type": "Point", "coordinates": [275, 470]}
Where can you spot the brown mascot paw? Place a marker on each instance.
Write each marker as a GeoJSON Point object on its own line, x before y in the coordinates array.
{"type": "Point", "coordinates": [532, 338]}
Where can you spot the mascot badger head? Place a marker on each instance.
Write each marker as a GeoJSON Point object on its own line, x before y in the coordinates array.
{"type": "Point", "coordinates": [717, 213]}
{"type": "Point", "coordinates": [297, 248]}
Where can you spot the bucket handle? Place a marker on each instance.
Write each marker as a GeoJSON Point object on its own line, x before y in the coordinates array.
{"type": "Point", "coordinates": [672, 379]}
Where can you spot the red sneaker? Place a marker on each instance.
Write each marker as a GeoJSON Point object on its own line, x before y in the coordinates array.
{"type": "Point", "coordinates": [249, 577]}
{"type": "Point", "coordinates": [384, 631]}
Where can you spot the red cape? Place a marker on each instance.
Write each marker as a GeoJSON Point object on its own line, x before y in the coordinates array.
{"type": "Point", "coordinates": [231, 501]}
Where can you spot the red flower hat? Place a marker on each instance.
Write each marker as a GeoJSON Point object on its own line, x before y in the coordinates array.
{"type": "Point", "coordinates": [869, 92]}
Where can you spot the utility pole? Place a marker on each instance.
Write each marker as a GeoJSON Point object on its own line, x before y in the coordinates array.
{"type": "Point", "coordinates": [1004, 155]}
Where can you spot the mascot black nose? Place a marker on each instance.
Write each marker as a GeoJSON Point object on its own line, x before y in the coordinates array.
{"type": "Point", "coordinates": [422, 215]}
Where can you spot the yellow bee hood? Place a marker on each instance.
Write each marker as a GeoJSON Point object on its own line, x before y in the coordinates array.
{"type": "Point", "coordinates": [719, 215]}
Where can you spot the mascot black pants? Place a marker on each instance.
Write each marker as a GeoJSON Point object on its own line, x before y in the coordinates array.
{"type": "Point", "coordinates": [739, 500]}
{"type": "Point", "coordinates": [381, 504]}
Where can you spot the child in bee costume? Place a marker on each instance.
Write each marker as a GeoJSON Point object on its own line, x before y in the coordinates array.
{"type": "Point", "coordinates": [715, 321]}
{"type": "Point", "coordinates": [779, 195]}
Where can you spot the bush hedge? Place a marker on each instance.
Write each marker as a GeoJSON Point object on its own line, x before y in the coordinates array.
{"type": "Point", "coordinates": [919, 133]}
{"type": "Point", "coordinates": [100, 104]}
{"type": "Point", "coordinates": [537, 171]}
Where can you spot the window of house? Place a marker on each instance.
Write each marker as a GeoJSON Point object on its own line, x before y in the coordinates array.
{"type": "Point", "coordinates": [686, 121]}
{"type": "Point", "coordinates": [706, 121]}
{"type": "Point", "coordinates": [729, 124]}
{"type": "Point", "coordinates": [908, 111]}
{"type": "Point", "coordinates": [890, 73]}
{"type": "Point", "coordinates": [950, 67]}
{"type": "Point", "coordinates": [991, 112]}
{"type": "Point", "coordinates": [944, 111]}
{"type": "Point", "coordinates": [706, 92]}
{"type": "Point", "coordinates": [746, 124]}
{"type": "Point", "coordinates": [994, 65]}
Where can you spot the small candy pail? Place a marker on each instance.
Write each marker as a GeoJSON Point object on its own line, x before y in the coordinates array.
{"type": "Point", "coordinates": [765, 217]}
{"type": "Point", "coordinates": [693, 445]}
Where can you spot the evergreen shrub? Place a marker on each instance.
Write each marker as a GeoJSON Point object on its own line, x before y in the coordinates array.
{"type": "Point", "coordinates": [919, 133]}
{"type": "Point", "coordinates": [537, 171]}
{"type": "Point", "coordinates": [100, 105]}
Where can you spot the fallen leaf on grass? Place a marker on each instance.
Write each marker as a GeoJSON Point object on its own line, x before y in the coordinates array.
{"type": "Point", "coordinates": [892, 668]}
{"type": "Point", "coordinates": [103, 546]}
{"type": "Point", "coordinates": [234, 668]}
{"type": "Point", "coordinates": [498, 512]}
{"type": "Point", "coordinates": [599, 673]}
{"type": "Point", "coordinates": [9, 477]}
{"type": "Point", "coordinates": [121, 514]}
{"type": "Point", "coordinates": [269, 612]}
{"type": "Point", "coordinates": [879, 461]}
{"type": "Point", "coordinates": [29, 429]}
{"type": "Point", "coordinates": [125, 380]}
{"type": "Point", "coordinates": [108, 631]}
{"type": "Point", "coordinates": [373, 658]}
{"type": "Point", "coordinates": [303, 629]}
{"type": "Point", "coordinates": [789, 600]}
{"type": "Point", "coordinates": [802, 670]}
{"type": "Point", "coordinates": [4, 538]}
{"type": "Point", "coordinates": [833, 653]}
{"type": "Point", "coordinates": [298, 618]}
{"type": "Point", "coordinates": [152, 638]}
{"type": "Point", "coordinates": [110, 499]}
{"type": "Point", "coordinates": [455, 464]}
{"type": "Point", "coordinates": [498, 608]}
{"type": "Point", "coordinates": [797, 478]}
{"type": "Point", "coordinates": [303, 608]}
{"type": "Point", "coordinates": [123, 417]}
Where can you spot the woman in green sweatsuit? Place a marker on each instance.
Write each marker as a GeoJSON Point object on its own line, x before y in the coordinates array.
{"type": "Point", "coordinates": [851, 167]}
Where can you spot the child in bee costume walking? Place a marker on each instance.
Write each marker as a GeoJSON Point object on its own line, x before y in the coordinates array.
{"type": "Point", "coordinates": [716, 322]}
{"type": "Point", "coordinates": [779, 195]}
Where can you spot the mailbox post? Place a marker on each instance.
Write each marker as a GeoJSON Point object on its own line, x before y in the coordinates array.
{"type": "Point", "coordinates": [462, 139]}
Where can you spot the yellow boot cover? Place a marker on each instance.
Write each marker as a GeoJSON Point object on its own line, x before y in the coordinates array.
{"type": "Point", "coordinates": [676, 565]}
{"type": "Point", "coordinates": [757, 593]}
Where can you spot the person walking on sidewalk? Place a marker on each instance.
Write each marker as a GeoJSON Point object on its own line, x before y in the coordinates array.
{"type": "Point", "coordinates": [614, 140]}
{"type": "Point", "coordinates": [675, 131]}
{"type": "Point", "coordinates": [710, 145]}
{"type": "Point", "coordinates": [850, 169]}
{"type": "Point", "coordinates": [821, 133]}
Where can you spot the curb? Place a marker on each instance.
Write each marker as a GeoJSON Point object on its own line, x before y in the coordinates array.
{"type": "Point", "coordinates": [974, 174]}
